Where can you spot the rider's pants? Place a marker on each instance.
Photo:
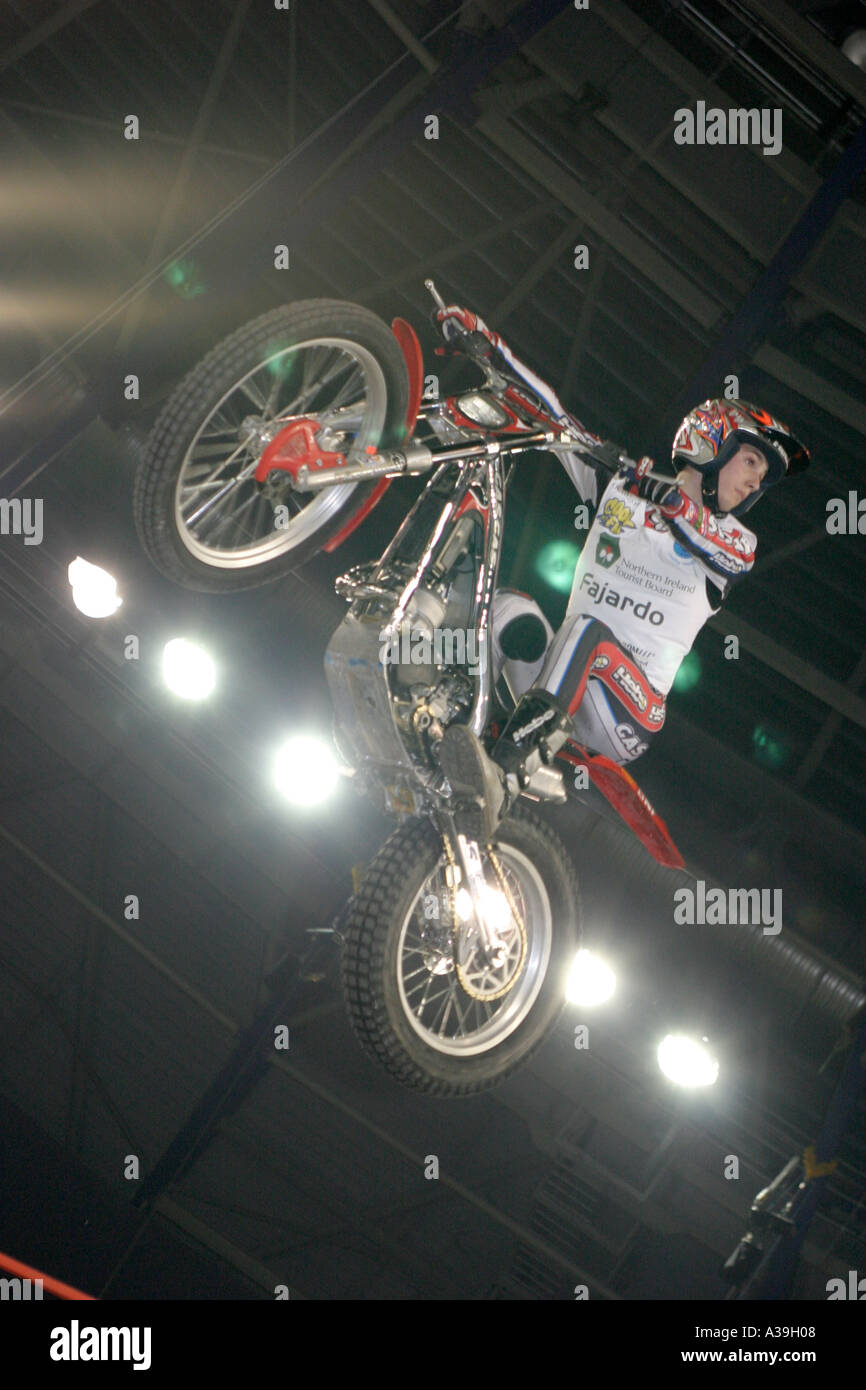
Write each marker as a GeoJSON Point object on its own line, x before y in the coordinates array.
{"type": "Point", "coordinates": [614, 709]}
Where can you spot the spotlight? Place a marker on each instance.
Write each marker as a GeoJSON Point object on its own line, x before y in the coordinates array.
{"type": "Point", "coordinates": [94, 590]}
{"type": "Point", "coordinates": [306, 770]}
{"type": "Point", "coordinates": [590, 981]}
{"type": "Point", "coordinates": [187, 669]}
{"type": "Point", "coordinates": [686, 1062]}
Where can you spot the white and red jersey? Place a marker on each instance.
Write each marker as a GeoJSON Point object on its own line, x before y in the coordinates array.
{"type": "Point", "coordinates": [653, 581]}
{"type": "Point", "coordinates": [641, 575]}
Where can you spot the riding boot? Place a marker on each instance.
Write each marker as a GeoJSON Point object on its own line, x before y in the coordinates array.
{"type": "Point", "coordinates": [521, 761]}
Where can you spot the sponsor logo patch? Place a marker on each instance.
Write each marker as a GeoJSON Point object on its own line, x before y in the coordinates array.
{"type": "Point", "coordinates": [607, 551]}
{"type": "Point", "coordinates": [616, 516]}
{"type": "Point", "coordinates": [631, 687]}
{"type": "Point", "coordinates": [630, 741]}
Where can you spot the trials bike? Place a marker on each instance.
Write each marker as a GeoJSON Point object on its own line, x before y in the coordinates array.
{"type": "Point", "coordinates": [455, 952]}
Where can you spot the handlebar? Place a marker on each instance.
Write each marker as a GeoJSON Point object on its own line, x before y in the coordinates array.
{"type": "Point", "coordinates": [440, 302]}
{"type": "Point", "coordinates": [607, 456]}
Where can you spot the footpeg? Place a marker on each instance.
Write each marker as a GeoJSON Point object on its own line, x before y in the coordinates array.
{"type": "Point", "coordinates": [547, 783]}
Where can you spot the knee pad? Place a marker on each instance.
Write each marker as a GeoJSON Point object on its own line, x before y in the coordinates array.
{"type": "Point", "coordinates": [521, 637]}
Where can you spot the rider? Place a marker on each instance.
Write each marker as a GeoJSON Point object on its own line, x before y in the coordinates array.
{"type": "Point", "coordinates": [659, 560]}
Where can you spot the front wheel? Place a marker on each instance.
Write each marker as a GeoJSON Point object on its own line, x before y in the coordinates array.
{"type": "Point", "coordinates": [201, 516]}
{"type": "Point", "coordinates": [427, 997]}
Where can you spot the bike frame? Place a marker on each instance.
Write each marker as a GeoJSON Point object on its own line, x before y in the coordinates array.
{"type": "Point", "coordinates": [364, 706]}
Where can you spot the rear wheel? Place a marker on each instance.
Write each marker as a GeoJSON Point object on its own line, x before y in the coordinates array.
{"type": "Point", "coordinates": [201, 516]}
{"type": "Point", "coordinates": [427, 1001]}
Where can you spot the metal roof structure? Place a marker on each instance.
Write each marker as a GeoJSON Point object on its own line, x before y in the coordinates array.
{"type": "Point", "coordinates": [306, 125]}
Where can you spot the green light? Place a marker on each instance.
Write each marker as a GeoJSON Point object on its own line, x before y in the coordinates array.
{"type": "Point", "coordinates": [689, 673]}
{"type": "Point", "coordinates": [281, 364]}
{"type": "Point", "coordinates": [184, 279]}
{"type": "Point", "coordinates": [556, 563]}
{"type": "Point", "coordinates": [768, 749]}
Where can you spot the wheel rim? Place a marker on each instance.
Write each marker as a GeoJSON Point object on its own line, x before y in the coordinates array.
{"type": "Point", "coordinates": [223, 517]}
{"type": "Point", "coordinates": [433, 1000]}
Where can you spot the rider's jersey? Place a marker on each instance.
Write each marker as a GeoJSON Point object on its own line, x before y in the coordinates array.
{"type": "Point", "coordinates": [653, 582]}
{"type": "Point", "coordinates": [645, 581]}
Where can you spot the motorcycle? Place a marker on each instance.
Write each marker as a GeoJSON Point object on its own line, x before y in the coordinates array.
{"type": "Point", "coordinates": [455, 951]}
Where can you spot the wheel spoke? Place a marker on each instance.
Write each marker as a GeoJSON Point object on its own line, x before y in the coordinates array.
{"type": "Point", "coordinates": [222, 522]}
{"type": "Point", "coordinates": [454, 1012]}
{"type": "Point", "coordinates": [256, 395]}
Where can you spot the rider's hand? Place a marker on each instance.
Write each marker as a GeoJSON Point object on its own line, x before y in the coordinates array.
{"type": "Point", "coordinates": [452, 321]}
{"type": "Point", "coordinates": [663, 493]}
{"type": "Point", "coordinates": [465, 331]}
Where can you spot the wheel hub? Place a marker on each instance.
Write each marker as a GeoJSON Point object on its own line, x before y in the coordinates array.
{"type": "Point", "coordinates": [296, 446]}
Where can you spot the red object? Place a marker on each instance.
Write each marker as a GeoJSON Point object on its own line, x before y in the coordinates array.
{"type": "Point", "coordinates": [514, 426]}
{"type": "Point", "coordinates": [512, 394]}
{"type": "Point", "coordinates": [294, 447]}
{"type": "Point", "coordinates": [626, 797]}
{"type": "Point", "coordinates": [411, 350]}
{"type": "Point", "coordinates": [358, 517]}
{"type": "Point", "coordinates": [471, 504]}
{"type": "Point", "coordinates": [55, 1286]}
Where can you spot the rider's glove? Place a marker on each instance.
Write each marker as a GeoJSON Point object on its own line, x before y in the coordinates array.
{"type": "Point", "coordinates": [660, 492]}
{"type": "Point", "coordinates": [456, 322]}
{"type": "Point", "coordinates": [469, 333]}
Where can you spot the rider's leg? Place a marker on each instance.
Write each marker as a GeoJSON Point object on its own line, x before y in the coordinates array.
{"type": "Point", "coordinates": [588, 689]}
{"type": "Point", "coordinates": [614, 709]}
{"type": "Point", "coordinates": [520, 638]}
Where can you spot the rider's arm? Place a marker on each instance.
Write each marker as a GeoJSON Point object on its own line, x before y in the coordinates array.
{"type": "Point", "coordinates": [456, 321]}
{"type": "Point", "coordinates": [724, 547]}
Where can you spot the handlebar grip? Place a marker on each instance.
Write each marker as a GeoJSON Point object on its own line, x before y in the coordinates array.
{"type": "Point", "coordinates": [440, 302]}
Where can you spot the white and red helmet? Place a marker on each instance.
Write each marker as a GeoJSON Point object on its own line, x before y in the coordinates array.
{"type": "Point", "coordinates": [713, 432]}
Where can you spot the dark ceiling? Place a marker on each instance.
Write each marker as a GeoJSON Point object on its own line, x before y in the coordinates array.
{"type": "Point", "coordinates": [305, 126]}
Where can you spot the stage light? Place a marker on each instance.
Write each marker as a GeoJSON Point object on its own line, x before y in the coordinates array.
{"type": "Point", "coordinates": [688, 673]}
{"type": "Point", "coordinates": [94, 590]}
{"type": "Point", "coordinates": [187, 669]}
{"type": "Point", "coordinates": [590, 980]}
{"type": "Point", "coordinates": [306, 770]}
{"type": "Point", "coordinates": [768, 748]}
{"type": "Point", "coordinates": [687, 1062]}
{"type": "Point", "coordinates": [556, 564]}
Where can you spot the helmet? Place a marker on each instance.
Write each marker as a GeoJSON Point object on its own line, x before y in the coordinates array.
{"type": "Point", "coordinates": [712, 433]}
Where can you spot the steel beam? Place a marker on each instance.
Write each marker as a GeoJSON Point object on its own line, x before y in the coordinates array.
{"type": "Point", "coordinates": [404, 34]}
{"type": "Point", "coordinates": [828, 730]}
{"type": "Point", "coordinates": [696, 84]}
{"type": "Point", "coordinates": [700, 198]}
{"type": "Point", "coordinates": [830, 692]}
{"type": "Point", "coordinates": [812, 46]}
{"type": "Point", "coordinates": [755, 315]}
{"type": "Point", "coordinates": [177, 192]}
{"type": "Point", "coordinates": [40, 32]}
{"type": "Point", "coordinates": [145, 137]}
{"type": "Point", "coordinates": [427, 264]}
{"type": "Point", "coordinates": [290, 203]}
{"type": "Point", "coordinates": [701, 307]}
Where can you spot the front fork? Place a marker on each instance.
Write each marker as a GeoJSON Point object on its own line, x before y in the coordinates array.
{"type": "Point", "coordinates": [465, 871]}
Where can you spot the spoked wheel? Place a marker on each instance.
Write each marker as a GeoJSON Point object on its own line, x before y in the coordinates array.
{"type": "Point", "coordinates": [445, 1007]}
{"type": "Point", "coordinates": [202, 517]}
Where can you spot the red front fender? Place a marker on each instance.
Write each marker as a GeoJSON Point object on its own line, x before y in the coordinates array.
{"type": "Point", "coordinates": [411, 350]}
